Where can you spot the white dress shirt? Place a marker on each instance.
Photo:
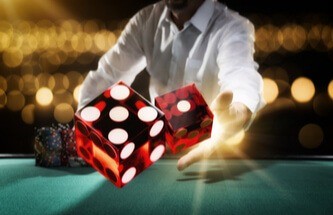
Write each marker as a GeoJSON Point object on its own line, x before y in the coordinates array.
{"type": "Point", "coordinates": [214, 50]}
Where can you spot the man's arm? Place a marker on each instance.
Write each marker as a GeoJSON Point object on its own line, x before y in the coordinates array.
{"type": "Point", "coordinates": [229, 119]}
{"type": "Point", "coordinates": [237, 68]}
{"type": "Point", "coordinates": [122, 62]}
{"type": "Point", "coordinates": [240, 94]}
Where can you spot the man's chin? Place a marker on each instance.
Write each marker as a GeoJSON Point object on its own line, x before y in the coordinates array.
{"type": "Point", "coordinates": [176, 6]}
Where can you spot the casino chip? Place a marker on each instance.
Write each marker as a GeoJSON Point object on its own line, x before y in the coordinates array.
{"type": "Point", "coordinates": [55, 146]}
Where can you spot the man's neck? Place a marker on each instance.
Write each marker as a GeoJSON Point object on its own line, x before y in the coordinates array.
{"type": "Point", "coordinates": [182, 16]}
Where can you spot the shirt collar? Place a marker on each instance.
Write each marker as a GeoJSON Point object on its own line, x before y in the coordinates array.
{"type": "Point", "coordinates": [200, 19]}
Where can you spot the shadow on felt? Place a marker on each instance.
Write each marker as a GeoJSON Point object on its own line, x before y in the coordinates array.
{"type": "Point", "coordinates": [222, 172]}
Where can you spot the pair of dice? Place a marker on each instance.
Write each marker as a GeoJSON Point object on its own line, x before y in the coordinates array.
{"type": "Point", "coordinates": [121, 134]}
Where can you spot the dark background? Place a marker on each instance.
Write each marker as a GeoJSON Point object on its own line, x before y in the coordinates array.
{"type": "Point", "coordinates": [275, 131]}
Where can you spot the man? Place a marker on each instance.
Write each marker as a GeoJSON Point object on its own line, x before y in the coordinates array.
{"type": "Point", "coordinates": [188, 41]}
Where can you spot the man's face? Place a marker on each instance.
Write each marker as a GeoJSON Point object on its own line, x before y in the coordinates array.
{"type": "Point", "coordinates": [176, 5]}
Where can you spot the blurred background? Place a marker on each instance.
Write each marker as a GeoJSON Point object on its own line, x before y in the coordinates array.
{"type": "Point", "coordinates": [48, 46]}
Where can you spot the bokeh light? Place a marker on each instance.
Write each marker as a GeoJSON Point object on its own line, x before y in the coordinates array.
{"type": "Point", "coordinates": [104, 40]}
{"type": "Point", "coordinates": [81, 42]}
{"type": "Point", "coordinates": [55, 58]}
{"type": "Point", "coordinates": [63, 41]}
{"type": "Point", "coordinates": [24, 26]}
{"type": "Point", "coordinates": [27, 114]}
{"type": "Point", "coordinates": [314, 37]}
{"type": "Point", "coordinates": [58, 81]}
{"type": "Point", "coordinates": [91, 26]}
{"type": "Point", "coordinates": [62, 96]}
{"type": "Point", "coordinates": [311, 136]}
{"type": "Point", "coordinates": [327, 36]}
{"type": "Point", "coordinates": [44, 96]}
{"type": "Point", "coordinates": [43, 79]}
{"type": "Point", "coordinates": [43, 38]}
{"type": "Point", "coordinates": [15, 100]}
{"type": "Point", "coordinates": [16, 40]}
{"type": "Point", "coordinates": [63, 113]}
{"type": "Point", "coordinates": [12, 57]}
{"type": "Point", "coordinates": [302, 89]}
{"type": "Point", "coordinates": [3, 98]}
{"type": "Point", "coordinates": [75, 78]}
{"type": "Point", "coordinates": [30, 84]}
{"type": "Point", "coordinates": [4, 41]}
{"type": "Point", "coordinates": [294, 37]}
{"type": "Point", "coordinates": [76, 93]}
{"type": "Point", "coordinates": [330, 89]}
{"type": "Point", "coordinates": [268, 38]}
{"type": "Point", "coordinates": [3, 83]}
{"type": "Point", "coordinates": [111, 38]}
{"type": "Point", "coordinates": [71, 26]}
{"type": "Point", "coordinates": [271, 90]}
{"type": "Point", "coordinates": [29, 44]}
{"type": "Point", "coordinates": [14, 82]}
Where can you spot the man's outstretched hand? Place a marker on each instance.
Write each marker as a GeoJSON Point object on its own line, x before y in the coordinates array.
{"type": "Point", "coordinates": [229, 119]}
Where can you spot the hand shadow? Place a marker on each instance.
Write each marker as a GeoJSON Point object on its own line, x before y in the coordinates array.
{"type": "Point", "coordinates": [228, 170]}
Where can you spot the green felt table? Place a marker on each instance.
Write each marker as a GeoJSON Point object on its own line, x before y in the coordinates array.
{"type": "Point", "coordinates": [231, 186]}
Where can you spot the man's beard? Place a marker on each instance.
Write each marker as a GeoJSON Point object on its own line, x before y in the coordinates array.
{"type": "Point", "coordinates": [176, 5]}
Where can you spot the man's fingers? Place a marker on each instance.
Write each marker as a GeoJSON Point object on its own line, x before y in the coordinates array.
{"type": "Point", "coordinates": [240, 111]}
{"type": "Point", "coordinates": [222, 101]}
{"type": "Point", "coordinates": [228, 121]}
{"type": "Point", "coordinates": [188, 159]}
{"type": "Point", "coordinates": [204, 150]}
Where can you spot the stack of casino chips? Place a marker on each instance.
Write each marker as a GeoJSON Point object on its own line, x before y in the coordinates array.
{"type": "Point", "coordinates": [55, 146]}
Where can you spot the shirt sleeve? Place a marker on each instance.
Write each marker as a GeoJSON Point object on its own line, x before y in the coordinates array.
{"type": "Point", "coordinates": [237, 68]}
{"type": "Point", "coordinates": [122, 62]}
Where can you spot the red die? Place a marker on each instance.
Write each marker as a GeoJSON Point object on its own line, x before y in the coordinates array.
{"type": "Point", "coordinates": [189, 117]}
{"type": "Point", "coordinates": [120, 133]}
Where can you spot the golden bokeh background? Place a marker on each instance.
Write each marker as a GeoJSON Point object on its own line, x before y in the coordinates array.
{"type": "Point", "coordinates": [44, 60]}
